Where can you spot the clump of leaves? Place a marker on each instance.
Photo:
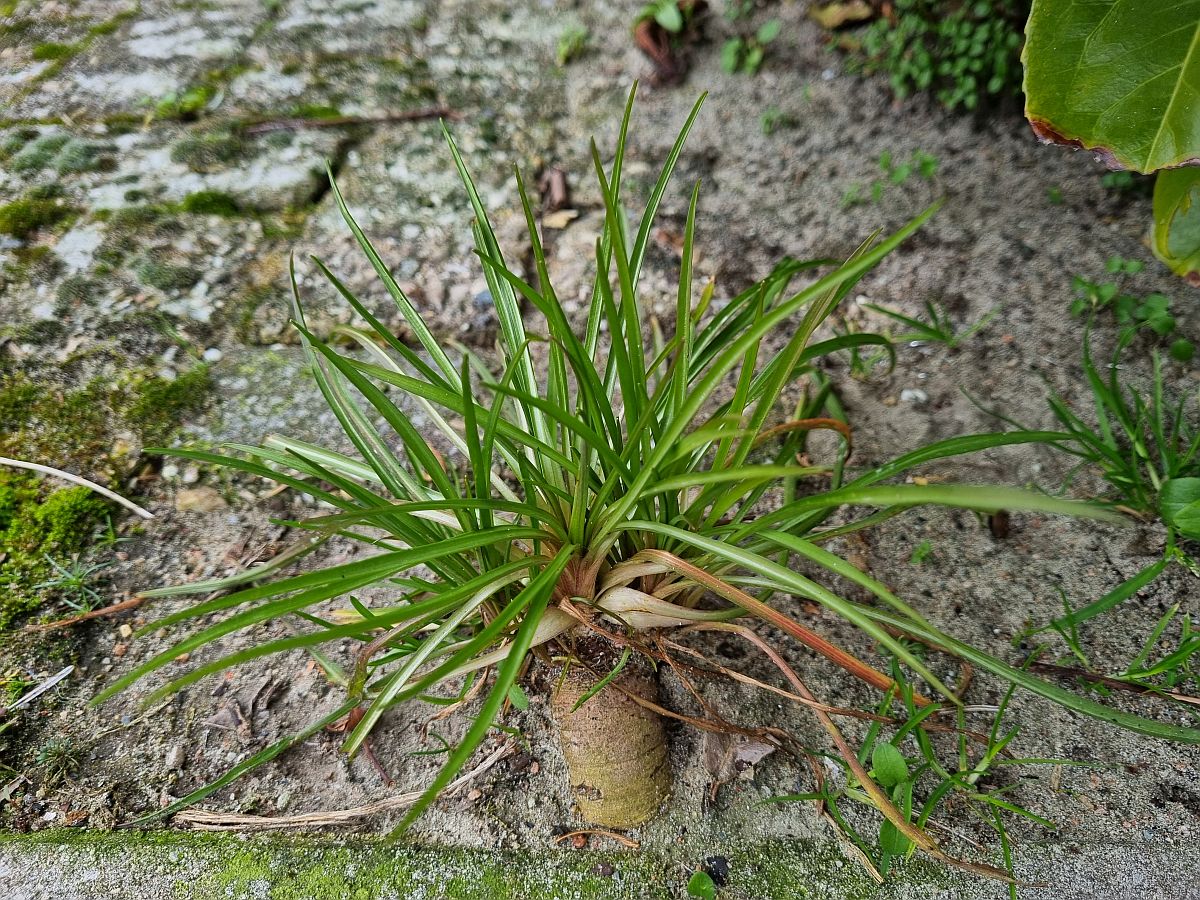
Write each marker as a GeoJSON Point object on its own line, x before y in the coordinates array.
{"type": "Point", "coordinates": [603, 481]}
{"type": "Point", "coordinates": [1134, 314]}
{"type": "Point", "coordinates": [962, 52]}
{"type": "Point", "coordinates": [1146, 446]}
{"type": "Point", "coordinates": [932, 761]}
{"type": "Point", "coordinates": [745, 54]}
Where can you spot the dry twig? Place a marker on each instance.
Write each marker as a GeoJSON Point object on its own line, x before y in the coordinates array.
{"type": "Point", "coordinates": [207, 820]}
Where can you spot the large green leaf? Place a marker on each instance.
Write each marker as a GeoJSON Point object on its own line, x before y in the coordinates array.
{"type": "Point", "coordinates": [1119, 77]}
{"type": "Point", "coordinates": [1177, 220]}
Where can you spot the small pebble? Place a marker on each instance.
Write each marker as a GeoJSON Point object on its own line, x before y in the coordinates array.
{"type": "Point", "coordinates": [212, 355]}
{"type": "Point", "coordinates": [913, 395]}
{"type": "Point", "coordinates": [175, 757]}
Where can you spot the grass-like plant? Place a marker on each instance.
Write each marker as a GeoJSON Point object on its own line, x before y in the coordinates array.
{"type": "Point", "coordinates": [595, 492]}
{"type": "Point", "coordinates": [1147, 447]}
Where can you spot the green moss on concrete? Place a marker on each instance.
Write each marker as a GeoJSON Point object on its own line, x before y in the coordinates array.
{"type": "Point", "coordinates": [206, 151]}
{"type": "Point", "coordinates": [77, 156]}
{"type": "Point", "coordinates": [204, 866]}
{"type": "Point", "coordinates": [160, 404]}
{"type": "Point", "coordinates": [167, 276]}
{"type": "Point", "coordinates": [23, 217]}
{"type": "Point", "coordinates": [77, 428]}
{"type": "Point", "coordinates": [15, 142]}
{"type": "Point", "coordinates": [75, 291]}
{"type": "Point", "coordinates": [54, 51]}
{"type": "Point", "coordinates": [38, 153]}
{"type": "Point", "coordinates": [37, 524]}
{"type": "Point", "coordinates": [211, 203]}
{"type": "Point", "coordinates": [191, 866]}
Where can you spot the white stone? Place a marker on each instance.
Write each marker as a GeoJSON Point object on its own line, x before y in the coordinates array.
{"type": "Point", "coordinates": [77, 247]}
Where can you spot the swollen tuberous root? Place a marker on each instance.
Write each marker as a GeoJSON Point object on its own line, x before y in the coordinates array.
{"type": "Point", "coordinates": [616, 750]}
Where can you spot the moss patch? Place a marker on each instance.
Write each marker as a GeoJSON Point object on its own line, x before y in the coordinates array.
{"type": "Point", "coordinates": [161, 404]}
{"type": "Point", "coordinates": [38, 153]}
{"type": "Point", "coordinates": [16, 141]}
{"type": "Point", "coordinates": [34, 527]}
{"type": "Point", "coordinates": [76, 156]}
{"type": "Point", "coordinates": [206, 151]}
{"type": "Point", "coordinates": [211, 203]}
{"type": "Point", "coordinates": [22, 218]}
{"type": "Point", "coordinates": [166, 276]}
{"type": "Point", "coordinates": [196, 865]}
{"type": "Point", "coordinates": [53, 51]}
{"type": "Point", "coordinates": [75, 428]}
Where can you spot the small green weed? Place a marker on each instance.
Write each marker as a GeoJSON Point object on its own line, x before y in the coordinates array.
{"type": "Point", "coordinates": [775, 119]}
{"type": "Point", "coordinates": [745, 53]}
{"type": "Point", "coordinates": [59, 759]}
{"type": "Point", "coordinates": [667, 13]}
{"type": "Point", "coordinates": [1134, 314]}
{"type": "Point", "coordinates": [938, 329]}
{"type": "Point", "coordinates": [572, 44]}
{"type": "Point", "coordinates": [962, 53]}
{"type": "Point", "coordinates": [893, 172]}
{"type": "Point", "coordinates": [921, 553]}
{"type": "Point", "coordinates": [72, 583]}
{"type": "Point", "coordinates": [932, 760]}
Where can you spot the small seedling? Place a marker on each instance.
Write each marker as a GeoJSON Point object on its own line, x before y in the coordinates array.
{"type": "Point", "coordinates": [1117, 181]}
{"type": "Point", "coordinates": [59, 759]}
{"type": "Point", "coordinates": [1054, 196]}
{"type": "Point", "coordinates": [72, 583]}
{"type": "Point", "coordinates": [746, 54]}
{"type": "Point", "coordinates": [572, 44]}
{"type": "Point", "coordinates": [921, 552]}
{"type": "Point", "coordinates": [894, 172]}
{"type": "Point", "coordinates": [775, 119]}
{"type": "Point", "coordinates": [939, 329]}
{"type": "Point", "coordinates": [863, 364]}
{"type": "Point", "coordinates": [666, 13]}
